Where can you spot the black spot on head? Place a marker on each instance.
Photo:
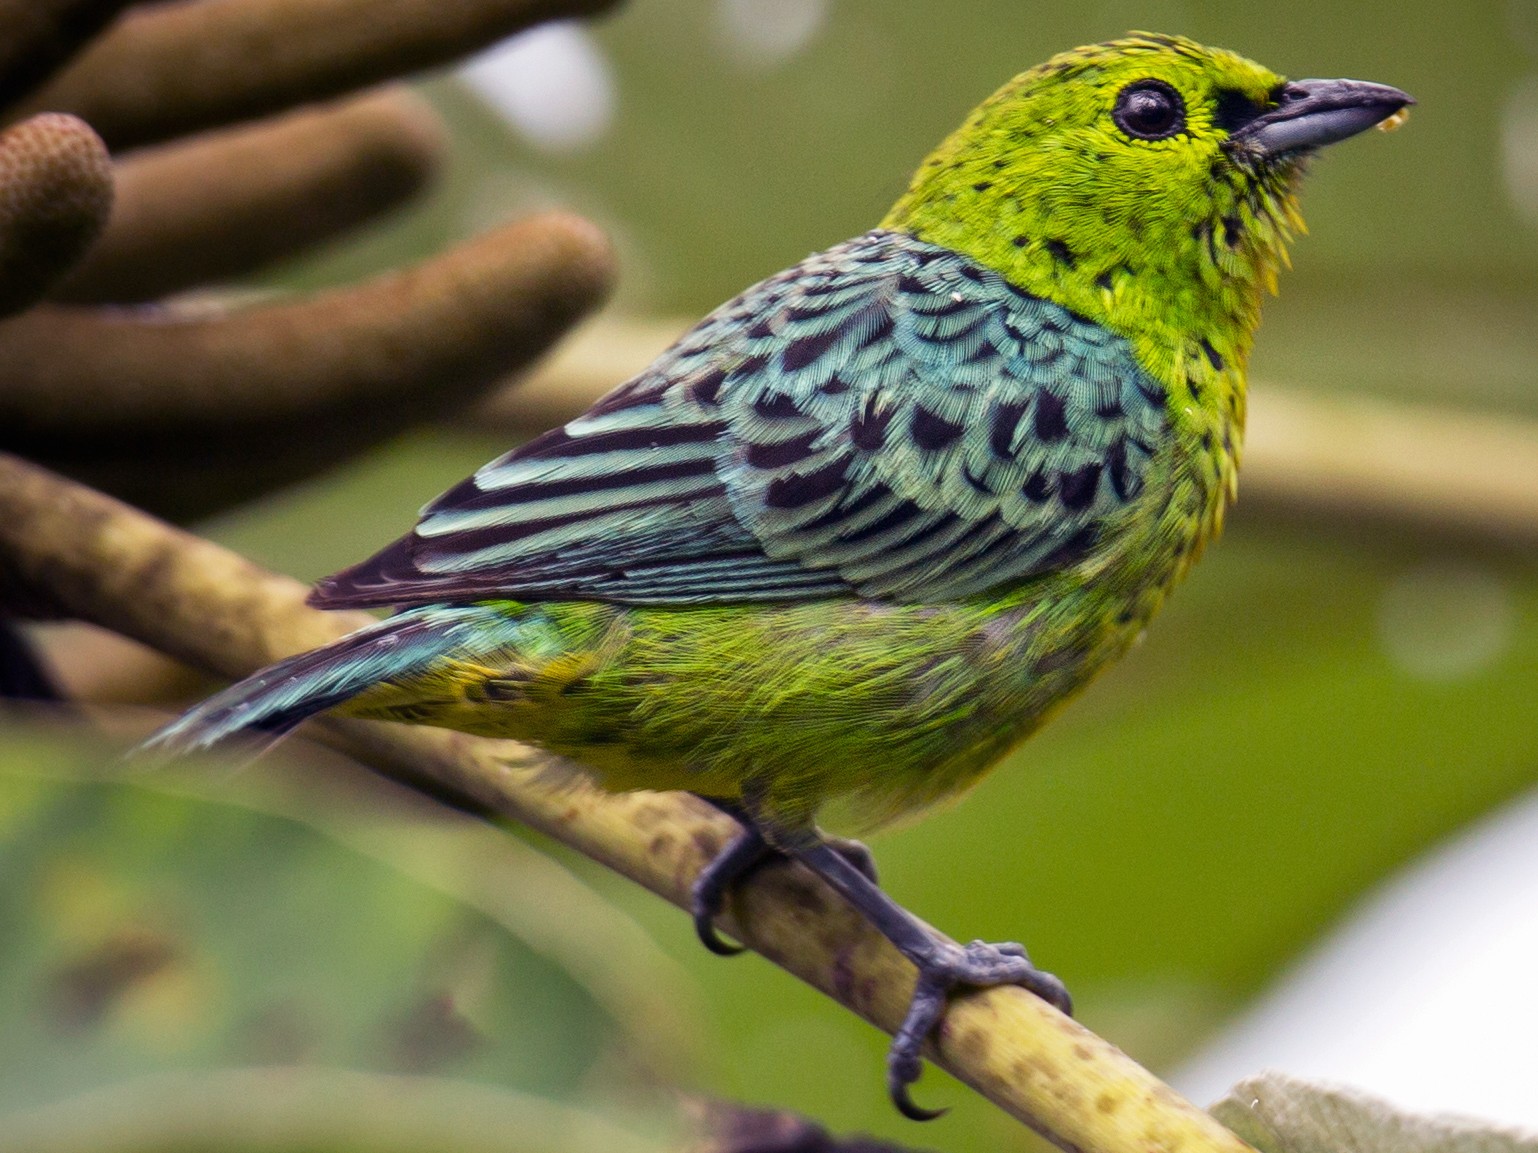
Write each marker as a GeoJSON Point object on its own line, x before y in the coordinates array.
{"type": "Point", "coordinates": [1051, 418]}
{"type": "Point", "coordinates": [1021, 241]}
{"type": "Point", "coordinates": [1104, 280]}
{"type": "Point", "coordinates": [1214, 357]}
{"type": "Point", "coordinates": [1062, 253]}
{"type": "Point", "coordinates": [1234, 110]}
{"type": "Point", "coordinates": [982, 186]}
{"type": "Point", "coordinates": [1077, 489]}
{"type": "Point", "coordinates": [931, 431]}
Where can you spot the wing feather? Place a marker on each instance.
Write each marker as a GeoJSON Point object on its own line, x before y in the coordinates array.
{"type": "Point", "coordinates": [886, 419]}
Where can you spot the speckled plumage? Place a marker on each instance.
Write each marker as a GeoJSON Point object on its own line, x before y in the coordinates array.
{"type": "Point", "coordinates": [867, 524]}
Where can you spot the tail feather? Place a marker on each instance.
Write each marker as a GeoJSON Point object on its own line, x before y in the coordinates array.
{"type": "Point", "coordinates": [271, 703]}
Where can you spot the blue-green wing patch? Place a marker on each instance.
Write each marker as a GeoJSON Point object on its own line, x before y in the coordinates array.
{"type": "Point", "coordinates": [885, 419]}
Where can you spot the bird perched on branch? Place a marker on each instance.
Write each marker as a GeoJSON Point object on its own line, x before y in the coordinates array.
{"type": "Point", "coordinates": [869, 524]}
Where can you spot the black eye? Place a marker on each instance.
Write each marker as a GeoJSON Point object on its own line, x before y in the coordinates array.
{"type": "Point", "coordinates": [1149, 110]}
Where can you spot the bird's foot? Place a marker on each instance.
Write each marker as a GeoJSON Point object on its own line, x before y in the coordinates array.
{"type": "Point", "coordinates": [945, 967]}
{"type": "Point", "coordinates": [745, 853]}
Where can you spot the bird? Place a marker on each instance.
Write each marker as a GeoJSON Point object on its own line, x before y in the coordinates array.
{"type": "Point", "coordinates": [870, 523]}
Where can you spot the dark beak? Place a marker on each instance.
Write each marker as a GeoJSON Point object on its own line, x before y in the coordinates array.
{"type": "Point", "coordinates": [1312, 113]}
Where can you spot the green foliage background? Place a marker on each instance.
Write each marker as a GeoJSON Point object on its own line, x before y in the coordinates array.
{"type": "Point", "coordinates": [1204, 813]}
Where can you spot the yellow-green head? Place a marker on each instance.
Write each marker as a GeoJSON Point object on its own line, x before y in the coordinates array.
{"type": "Point", "coordinates": [1147, 183]}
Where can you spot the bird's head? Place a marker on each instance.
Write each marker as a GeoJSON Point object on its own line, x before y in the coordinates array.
{"type": "Point", "coordinates": [1148, 183]}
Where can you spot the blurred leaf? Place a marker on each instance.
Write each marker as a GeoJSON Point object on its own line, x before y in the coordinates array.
{"type": "Point", "coordinates": [150, 933]}
{"type": "Point", "coordinates": [546, 907]}
{"type": "Point", "coordinates": [1281, 1114]}
{"type": "Point", "coordinates": [304, 1110]}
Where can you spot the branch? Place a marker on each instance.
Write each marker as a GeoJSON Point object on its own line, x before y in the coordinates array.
{"type": "Point", "coordinates": [172, 69]}
{"type": "Point", "coordinates": [227, 203]}
{"type": "Point", "coordinates": [113, 565]}
{"type": "Point", "coordinates": [55, 194]}
{"type": "Point", "coordinates": [1444, 470]}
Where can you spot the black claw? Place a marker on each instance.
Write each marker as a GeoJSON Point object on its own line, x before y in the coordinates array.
{"type": "Point", "coordinates": [709, 893]}
{"type": "Point", "coordinates": [705, 930]}
{"type": "Point", "coordinates": [904, 1062]}
{"type": "Point", "coordinates": [979, 965]}
{"type": "Point", "coordinates": [907, 1107]}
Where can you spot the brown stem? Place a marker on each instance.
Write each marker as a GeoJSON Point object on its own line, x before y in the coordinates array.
{"type": "Point", "coordinates": [221, 205]}
{"type": "Point", "coordinates": [55, 194]}
{"type": "Point", "coordinates": [40, 35]}
{"type": "Point", "coordinates": [173, 69]}
{"type": "Point", "coordinates": [111, 564]}
{"type": "Point", "coordinates": [189, 412]}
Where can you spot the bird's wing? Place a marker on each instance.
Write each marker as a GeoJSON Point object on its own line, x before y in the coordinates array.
{"type": "Point", "coordinates": [886, 419]}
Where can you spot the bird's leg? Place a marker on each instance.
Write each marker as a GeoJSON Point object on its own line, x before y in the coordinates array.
{"type": "Point", "coordinates": [744, 854]}
{"type": "Point", "coordinates": [943, 965]}
{"type": "Point", "coordinates": [741, 856]}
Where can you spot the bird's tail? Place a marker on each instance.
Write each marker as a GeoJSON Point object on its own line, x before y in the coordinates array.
{"type": "Point", "coordinates": [268, 705]}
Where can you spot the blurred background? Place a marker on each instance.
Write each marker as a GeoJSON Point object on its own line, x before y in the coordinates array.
{"type": "Point", "coordinates": [1346, 682]}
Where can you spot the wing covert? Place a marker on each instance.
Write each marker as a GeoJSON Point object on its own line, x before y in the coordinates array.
{"type": "Point", "coordinates": [886, 419]}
